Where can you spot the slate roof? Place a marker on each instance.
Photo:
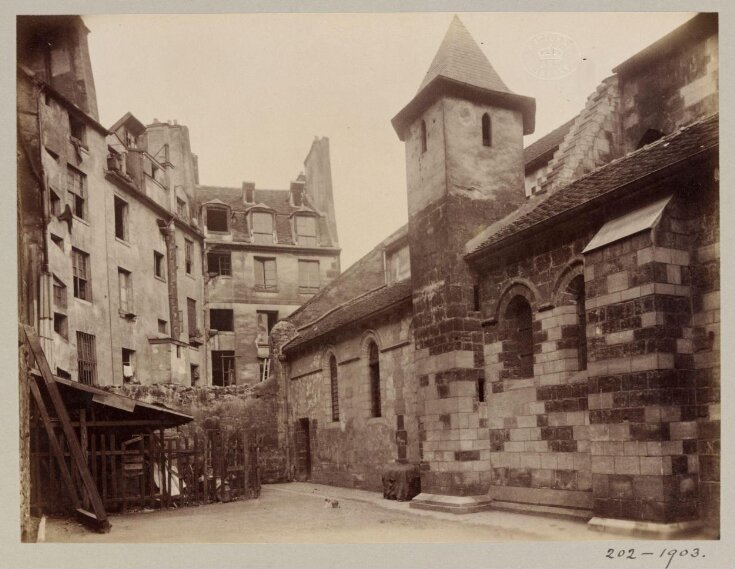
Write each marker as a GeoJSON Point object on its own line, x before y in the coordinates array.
{"type": "Point", "coordinates": [353, 311]}
{"type": "Point", "coordinates": [460, 58]}
{"type": "Point", "coordinates": [277, 200]}
{"type": "Point", "coordinates": [661, 154]}
{"type": "Point", "coordinates": [546, 144]}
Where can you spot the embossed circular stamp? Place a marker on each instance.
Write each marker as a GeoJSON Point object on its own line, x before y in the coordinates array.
{"type": "Point", "coordinates": [550, 55]}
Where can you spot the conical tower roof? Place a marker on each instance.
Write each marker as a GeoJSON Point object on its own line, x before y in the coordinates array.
{"type": "Point", "coordinates": [461, 59]}
{"type": "Point", "coordinates": [460, 69]}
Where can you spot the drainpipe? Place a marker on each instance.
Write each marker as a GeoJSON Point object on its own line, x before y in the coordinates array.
{"type": "Point", "coordinates": [44, 316]}
{"type": "Point", "coordinates": [169, 236]}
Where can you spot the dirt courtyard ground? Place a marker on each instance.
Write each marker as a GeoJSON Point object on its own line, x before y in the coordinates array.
{"type": "Point", "coordinates": [299, 513]}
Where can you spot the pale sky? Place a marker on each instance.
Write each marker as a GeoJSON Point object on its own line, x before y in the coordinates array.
{"type": "Point", "coordinates": [255, 89]}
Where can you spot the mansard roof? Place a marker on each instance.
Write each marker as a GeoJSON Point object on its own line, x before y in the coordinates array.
{"type": "Point", "coordinates": [277, 200]}
{"type": "Point", "coordinates": [604, 182]}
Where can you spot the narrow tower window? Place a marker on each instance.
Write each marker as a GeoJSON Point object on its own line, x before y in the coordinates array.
{"type": "Point", "coordinates": [334, 387]}
{"type": "Point", "coordinates": [423, 137]}
{"type": "Point", "coordinates": [487, 131]}
{"type": "Point", "coordinates": [374, 368]}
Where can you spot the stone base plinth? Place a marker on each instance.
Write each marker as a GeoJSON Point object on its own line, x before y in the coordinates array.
{"type": "Point", "coordinates": [542, 510]}
{"type": "Point", "coordinates": [452, 504]}
{"type": "Point", "coordinates": [650, 530]}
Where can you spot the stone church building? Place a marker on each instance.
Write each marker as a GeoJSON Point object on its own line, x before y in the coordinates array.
{"type": "Point", "coordinates": [555, 352]}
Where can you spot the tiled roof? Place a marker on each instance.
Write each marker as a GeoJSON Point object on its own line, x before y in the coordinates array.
{"type": "Point", "coordinates": [353, 311]}
{"type": "Point", "coordinates": [277, 200]}
{"type": "Point", "coordinates": [663, 153]}
{"type": "Point", "coordinates": [460, 58]}
{"type": "Point", "coordinates": [547, 143]}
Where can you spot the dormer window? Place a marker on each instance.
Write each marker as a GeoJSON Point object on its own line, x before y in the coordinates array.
{"type": "Point", "coordinates": [487, 130]}
{"type": "Point", "coordinates": [397, 265]}
{"type": "Point", "coordinates": [306, 230]}
{"type": "Point", "coordinates": [262, 227]}
{"type": "Point", "coordinates": [217, 219]}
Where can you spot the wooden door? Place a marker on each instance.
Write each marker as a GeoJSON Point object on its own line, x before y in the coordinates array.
{"type": "Point", "coordinates": [303, 449]}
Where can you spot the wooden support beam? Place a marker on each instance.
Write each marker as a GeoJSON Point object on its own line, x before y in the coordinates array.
{"type": "Point", "coordinates": [55, 447]}
{"type": "Point", "coordinates": [102, 524]}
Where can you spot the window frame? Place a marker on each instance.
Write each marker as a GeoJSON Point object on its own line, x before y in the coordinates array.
{"type": "Point", "coordinates": [221, 313]}
{"type": "Point", "coordinates": [220, 209]}
{"type": "Point", "coordinates": [303, 239]}
{"type": "Point", "coordinates": [75, 125]}
{"type": "Point", "coordinates": [264, 285]}
{"type": "Point", "coordinates": [215, 258]}
{"type": "Point", "coordinates": [86, 358]}
{"type": "Point", "coordinates": [159, 260]}
{"type": "Point", "coordinates": [188, 256]}
{"type": "Point", "coordinates": [487, 130]}
{"type": "Point", "coordinates": [61, 324]}
{"type": "Point", "coordinates": [192, 321]}
{"type": "Point", "coordinates": [308, 288]}
{"type": "Point", "coordinates": [268, 238]}
{"type": "Point", "coordinates": [334, 386]}
{"type": "Point", "coordinates": [125, 277]}
{"type": "Point", "coordinates": [78, 193]}
{"type": "Point", "coordinates": [376, 404]}
{"type": "Point", "coordinates": [123, 221]}
{"type": "Point", "coordinates": [224, 356]}
{"type": "Point", "coordinates": [82, 280]}
{"type": "Point", "coordinates": [393, 253]}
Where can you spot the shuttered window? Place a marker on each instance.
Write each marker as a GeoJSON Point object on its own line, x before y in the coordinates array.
{"type": "Point", "coordinates": [306, 231]}
{"type": "Point", "coordinates": [308, 276]}
{"type": "Point", "coordinates": [265, 274]}
{"type": "Point", "coordinates": [262, 227]}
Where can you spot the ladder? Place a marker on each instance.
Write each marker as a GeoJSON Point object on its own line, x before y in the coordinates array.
{"type": "Point", "coordinates": [44, 378]}
{"type": "Point", "coordinates": [265, 369]}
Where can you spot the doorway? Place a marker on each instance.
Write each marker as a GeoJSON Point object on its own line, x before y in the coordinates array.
{"type": "Point", "coordinates": [303, 450]}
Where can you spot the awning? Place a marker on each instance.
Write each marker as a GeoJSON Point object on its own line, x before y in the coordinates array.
{"type": "Point", "coordinates": [628, 224]}
{"type": "Point", "coordinates": [134, 407]}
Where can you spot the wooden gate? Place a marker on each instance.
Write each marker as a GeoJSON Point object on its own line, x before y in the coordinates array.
{"type": "Point", "coordinates": [303, 449]}
{"type": "Point", "coordinates": [152, 470]}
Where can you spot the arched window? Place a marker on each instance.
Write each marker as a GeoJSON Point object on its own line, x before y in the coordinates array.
{"type": "Point", "coordinates": [424, 144]}
{"type": "Point", "coordinates": [487, 132]}
{"type": "Point", "coordinates": [374, 368]}
{"type": "Point", "coordinates": [576, 289]}
{"type": "Point", "coordinates": [519, 340]}
{"type": "Point", "coordinates": [334, 386]}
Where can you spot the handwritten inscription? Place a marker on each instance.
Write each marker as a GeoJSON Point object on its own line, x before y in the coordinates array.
{"type": "Point", "coordinates": [667, 554]}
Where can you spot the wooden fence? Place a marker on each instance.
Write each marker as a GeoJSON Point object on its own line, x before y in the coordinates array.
{"type": "Point", "coordinates": [152, 470]}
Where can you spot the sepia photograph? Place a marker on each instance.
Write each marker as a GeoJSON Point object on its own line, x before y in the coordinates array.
{"type": "Point", "coordinates": [346, 278]}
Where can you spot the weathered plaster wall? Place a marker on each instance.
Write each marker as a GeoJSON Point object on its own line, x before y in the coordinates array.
{"type": "Point", "coordinates": [353, 451]}
{"type": "Point", "coordinates": [239, 293]}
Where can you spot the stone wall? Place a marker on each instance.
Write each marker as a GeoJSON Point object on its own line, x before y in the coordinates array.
{"type": "Point", "coordinates": [681, 86]}
{"type": "Point", "coordinates": [538, 422]}
{"type": "Point", "coordinates": [353, 450]}
{"type": "Point", "coordinates": [257, 410]}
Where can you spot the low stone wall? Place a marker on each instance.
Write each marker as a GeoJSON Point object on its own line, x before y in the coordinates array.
{"type": "Point", "coordinates": [255, 409]}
